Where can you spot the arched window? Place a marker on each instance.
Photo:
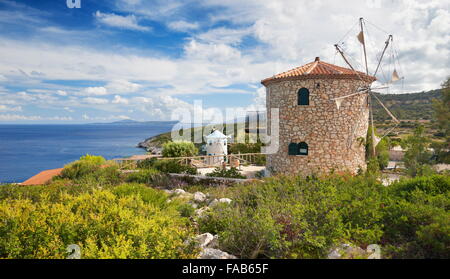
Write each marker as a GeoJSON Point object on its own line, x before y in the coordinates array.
{"type": "Point", "coordinates": [293, 149]}
{"type": "Point", "coordinates": [303, 148]}
{"type": "Point", "coordinates": [303, 97]}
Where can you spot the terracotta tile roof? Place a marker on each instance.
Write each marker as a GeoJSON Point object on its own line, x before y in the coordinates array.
{"type": "Point", "coordinates": [42, 177]}
{"type": "Point", "coordinates": [318, 69]}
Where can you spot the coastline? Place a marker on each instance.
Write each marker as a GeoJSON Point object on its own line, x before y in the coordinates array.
{"type": "Point", "coordinates": [36, 148]}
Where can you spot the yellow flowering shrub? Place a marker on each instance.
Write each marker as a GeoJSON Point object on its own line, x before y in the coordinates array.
{"type": "Point", "coordinates": [101, 223]}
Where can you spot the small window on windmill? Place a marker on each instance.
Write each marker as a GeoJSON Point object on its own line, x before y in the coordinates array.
{"type": "Point", "coordinates": [303, 148]}
{"type": "Point", "coordinates": [303, 97]}
{"type": "Point", "coordinates": [293, 149]}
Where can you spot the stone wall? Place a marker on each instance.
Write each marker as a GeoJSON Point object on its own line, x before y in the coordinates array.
{"type": "Point", "coordinates": [321, 125]}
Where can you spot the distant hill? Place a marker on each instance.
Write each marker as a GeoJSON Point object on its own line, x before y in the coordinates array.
{"type": "Point", "coordinates": [411, 106]}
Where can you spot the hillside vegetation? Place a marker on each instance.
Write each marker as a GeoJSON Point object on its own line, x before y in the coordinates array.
{"type": "Point", "coordinates": [412, 106]}
{"type": "Point", "coordinates": [111, 214]}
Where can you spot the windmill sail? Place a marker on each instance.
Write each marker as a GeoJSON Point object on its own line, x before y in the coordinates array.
{"type": "Point", "coordinates": [361, 37]}
{"type": "Point", "coordinates": [375, 140]}
{"type": "Point", "coordinates": [338, 103]}
{"type": "Point", "coordinates": [395, 76]}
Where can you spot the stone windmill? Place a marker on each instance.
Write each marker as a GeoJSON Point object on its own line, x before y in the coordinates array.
{"type": "Point", "coordinates": [324, 112]}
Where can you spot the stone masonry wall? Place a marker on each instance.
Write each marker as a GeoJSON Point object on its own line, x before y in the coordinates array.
{"type": "Point", "coordinates": [321, 125]}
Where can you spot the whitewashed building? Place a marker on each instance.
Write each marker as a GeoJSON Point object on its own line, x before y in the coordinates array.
{"type": "Point", "coordinates": [216, 144]}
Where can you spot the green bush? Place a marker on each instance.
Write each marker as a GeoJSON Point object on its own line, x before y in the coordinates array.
{"type": "Point", "coordinates": [92, 159]}
{"type": "Point", "coordinates": [179, 149]}
{"type": "Point", "coordinates": [173, 166]}
{"type": "Point", "coordinates": [147, 194]}
{"type": "Point", "coordinates": [186, 209]}
{"type": "Point", "coordinates": [85, 165]}
{"type": "Point", "coordinates": [417, 157]}
{"type": "Point", "coordinates": [228, 173]}
{"type": "Point", "coordinates": [129, 223]}
{"type": "Point", "coordinates": [147, 163]}
{"type": "Point", "coordinates": [417, 221]}
{"type": "Point", "coordinates": [245, 148]}
{"type": "Point", "coordinates": [288, 217]}
{"type": "Point", "coordinates": [105, 175]}
{"type": "Point", "coordinates": [145, 176]}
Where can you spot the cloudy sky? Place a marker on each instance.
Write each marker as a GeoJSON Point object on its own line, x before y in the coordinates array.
{"type": "Point", "coordinates": [137, 59]}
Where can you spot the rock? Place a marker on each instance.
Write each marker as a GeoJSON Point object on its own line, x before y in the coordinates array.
{"type": "Point", "coordinates": [214, 202]}
{"type": "Point", "coordinates": [179, 191]}
{"type": "Point", "coordinates": [186, 196]}
{"type": "Point", "coordinates": [182, 194]}
{"type": "Point", "coordinates": [199, 197]}
{"type": "Point", "coordinates": [203, 240]}
{"type": "Point", "coordinates": [225, 200]}
{"type": "Point", "coordinates": [194, 205]}
{"type": "Point", "coordinates": [201, 212]}
{"type": "Point", "coordinates": [334, 254]}
{"type": "Point", "coordinates": [211, 253]}
{"type": "Point", "coordinates": [170, 192]}
{"type": "Point", "coordinates": [217, 201]}
{"type": "Point", "coordinates": [347, 251]}
{"type": "Point", "coordinates": [214, 243]}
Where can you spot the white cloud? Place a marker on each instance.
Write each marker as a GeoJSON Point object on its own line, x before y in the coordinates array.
{"type": "Point", "coordinates": [157, 10]}
{"type": "Point", "coordinates": [217, 57]}
{"type": "Point", "coordinates": [59, 118]}
{"type": "Point", "coordinates": [183, 26]}
{"type": "Point", "coordinates": [61, 62]}
{"type": "Point", "coordinates": [18, 117]}
{"type": "Point", "coordinates": [122, 86]}
{"type": "Point", "coordinates": [15, 117]}
{"type": "Point", "coordinates": [214, 52]}
{"type": "Point", "coordinates": [95, 101]}
{"type": "Point", "coordinates": [104, 118]}
{"type": "Point", "coordinates": [124, 22]}
{"type": "Point", "coordinates": [25, 96]}
{"type": "Point", "coordinates": [94, 91]}
{"type": "Point", "coordinates": [61, 93]}
{"type": "Point", "coordinates": [224, 35]}
{"type": "Point", "coordinates": [119, 100]}
{"type": "Point", "coordinates": [8, 108]}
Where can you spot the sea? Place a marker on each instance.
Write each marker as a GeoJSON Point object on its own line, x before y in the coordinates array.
{"type": "Point", "coordinates": [26, 150]}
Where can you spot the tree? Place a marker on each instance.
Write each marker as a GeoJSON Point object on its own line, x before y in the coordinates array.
{"type": "Point", "coordinates": [442, 119]}
{"type": "Point", "coordinates": [179, 149]}
{"type": "Point", "coordinates": [417, 157]}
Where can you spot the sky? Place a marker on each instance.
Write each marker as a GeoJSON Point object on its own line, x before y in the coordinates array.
{"type": "Point", "coordinates": [143, 60]}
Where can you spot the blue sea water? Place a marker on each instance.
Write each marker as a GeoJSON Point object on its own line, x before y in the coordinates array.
{"type": "Point", "coordinates": [25, 150]}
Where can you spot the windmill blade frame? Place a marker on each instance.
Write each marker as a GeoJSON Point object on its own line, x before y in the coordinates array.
{"type": "Point", "coordinates": [362, 40]}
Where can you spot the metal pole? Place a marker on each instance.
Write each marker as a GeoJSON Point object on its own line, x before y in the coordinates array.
{"type": "Point", "coordinates": [382, 54]}
{"type": "Point", "coordinates": [364, 45]}
{"type": "Point", "coordinates": [371, 121]}
{"type": "Point", "coordinates": [343, 56]}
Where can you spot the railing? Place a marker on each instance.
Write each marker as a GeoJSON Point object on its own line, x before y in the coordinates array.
{"type": "Point", "coordinates": [205, 161]}
{"type": "Point", "coordinates": [217, 160]}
